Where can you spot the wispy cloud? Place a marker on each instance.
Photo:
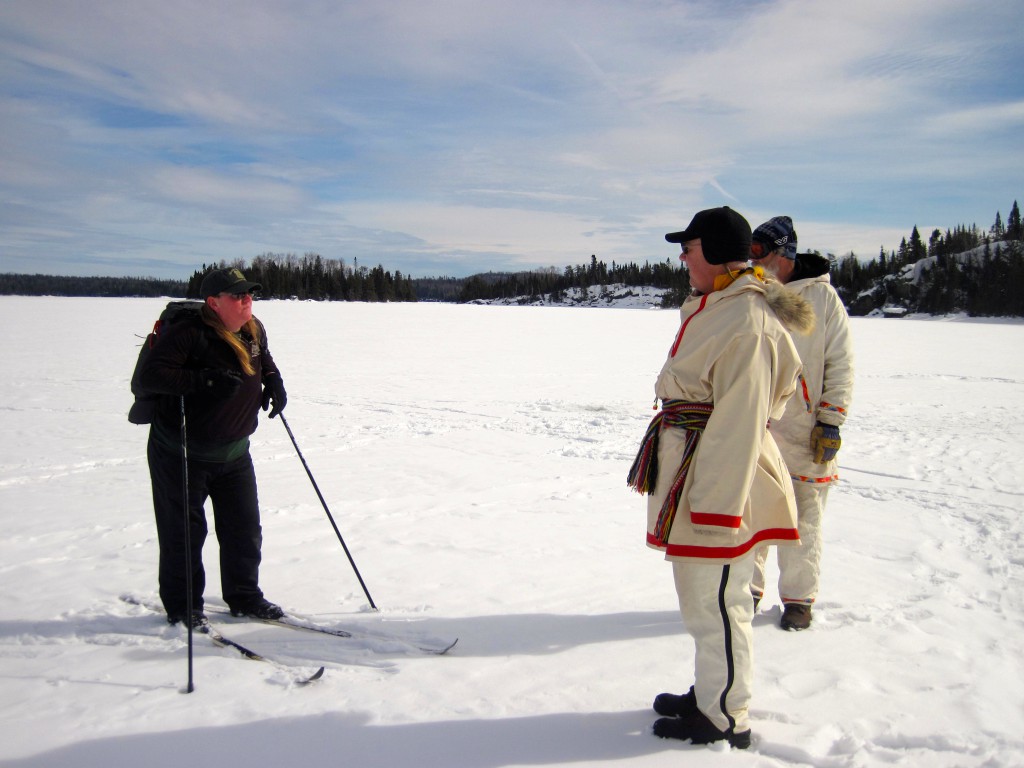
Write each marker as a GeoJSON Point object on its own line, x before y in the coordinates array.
{"type": "Point", "coordinates": [155, 136]}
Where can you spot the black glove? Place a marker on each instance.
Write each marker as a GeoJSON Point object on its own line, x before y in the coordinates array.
{"type": "Point", "coordinates": [273, 392]}
{"type": "Point", "coordinates": [825, 442]}
{"type": "Point", "coordinates": [220, 383]}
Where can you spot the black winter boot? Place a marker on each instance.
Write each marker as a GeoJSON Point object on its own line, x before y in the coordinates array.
{"type": "Point", "coordinates": [697, 729]}
{"type": "Point", "coordinates": [674, 705]}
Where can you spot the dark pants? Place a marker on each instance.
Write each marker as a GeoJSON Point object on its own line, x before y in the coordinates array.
{"type": "Point", "coordinates": [231, 486]}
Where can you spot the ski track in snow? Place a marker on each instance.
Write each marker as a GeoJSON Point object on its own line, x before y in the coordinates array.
{"type": "Point", "coordinates": [475, 460]}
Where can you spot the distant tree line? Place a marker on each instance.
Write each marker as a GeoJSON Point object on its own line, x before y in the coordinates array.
{"type": "Point", "coordinates": [443, 289]}
{"type": "Point", "coordinates": [282, 276]}
{"type": "Point", "coordinates": [63, 285]}
{"type": "Point", "coordinates": [288, 276]}
{"type": "Point", "coordinates": [990, 287]}
{"type": "Point", "coordinates": [553, 283]}
{"type": "Point", "coordinates": [962, 270]}
{"type": "Point", "coordinates": [990, 283]}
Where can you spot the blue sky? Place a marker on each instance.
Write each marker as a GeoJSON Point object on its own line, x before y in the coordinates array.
{"type": "Point", "coordinates": [445, 138]}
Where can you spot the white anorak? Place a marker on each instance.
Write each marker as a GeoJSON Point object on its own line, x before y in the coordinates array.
{"type": "Point", "coordinates": [732, 350]}
{"type": "Point", "coordinates": [826, 384]}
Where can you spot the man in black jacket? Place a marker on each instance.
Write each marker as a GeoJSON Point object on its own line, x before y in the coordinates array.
{"type": "Point", "coordinates": [218, 367]}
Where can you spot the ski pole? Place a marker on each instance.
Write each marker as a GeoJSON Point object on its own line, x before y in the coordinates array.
{"type": "Point", "coordinates": [188, 542]}
{"type": "Point", "coordinates": [329, 516]}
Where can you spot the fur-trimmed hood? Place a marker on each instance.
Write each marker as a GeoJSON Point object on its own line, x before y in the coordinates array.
{"type": "Point", "coordinates": [792, 309]}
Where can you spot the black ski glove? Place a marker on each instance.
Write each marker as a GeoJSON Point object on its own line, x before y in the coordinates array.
{"type": "Point", "coordinates": [825, 442]}
{"type": "Point", "coordinates": [273, 392]}
{"type": "Point", "coordinates": [219, 383]}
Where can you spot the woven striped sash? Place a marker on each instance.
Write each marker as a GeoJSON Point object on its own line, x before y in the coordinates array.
{"type": "Point", "coordinates": [643, 475]}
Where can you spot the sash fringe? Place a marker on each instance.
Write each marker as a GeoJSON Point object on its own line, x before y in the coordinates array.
{"type": "Point", "coordinates": [643, 475]}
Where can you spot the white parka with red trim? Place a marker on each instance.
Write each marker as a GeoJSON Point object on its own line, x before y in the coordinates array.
{"type": "Point", "coordinates": [732, 350]}
{"type": "Point", "coordinates": [826, 384]}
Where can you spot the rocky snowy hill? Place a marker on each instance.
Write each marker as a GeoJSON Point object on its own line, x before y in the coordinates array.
{"type": "Point", "coordinates": [617, 295]}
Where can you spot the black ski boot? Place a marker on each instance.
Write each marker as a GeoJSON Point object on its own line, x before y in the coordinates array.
{"type": "Point", "coordinates": [260, 608]}
{"type": "Point", "coordinates": [199, 620]}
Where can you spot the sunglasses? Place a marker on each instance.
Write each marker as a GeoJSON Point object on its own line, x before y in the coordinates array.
{"type": "Point", "coordinates": [759, 250]}
{"type": "Point", "coordinates": [688, 248]}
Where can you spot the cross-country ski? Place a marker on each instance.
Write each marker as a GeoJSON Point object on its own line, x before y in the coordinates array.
{"type": "Point", "coordinates": [219, 639]}
{"type": "Point", "coordinates": [205, 627]}
{"type": "Point", "coordinates": [371, 639]}
{"type": "Point", "coordinates": [391, 640]}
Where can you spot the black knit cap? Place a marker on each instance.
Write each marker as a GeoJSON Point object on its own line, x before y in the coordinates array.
{"type": "Point", "coordinates": [724, 235]}
{"type": "Point", "coordinates": [227, 281]}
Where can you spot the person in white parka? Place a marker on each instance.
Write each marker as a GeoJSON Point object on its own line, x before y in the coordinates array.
{"type": "Point", "coordinates": [717, 484]}
{"type": "Point", "coordinates": [808, 432]}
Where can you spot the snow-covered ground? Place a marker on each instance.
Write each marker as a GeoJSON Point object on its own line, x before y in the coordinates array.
{"type": "Point", "coordinates": [613, 295]}
{"type": "Point", "coordinates": [475, 460]}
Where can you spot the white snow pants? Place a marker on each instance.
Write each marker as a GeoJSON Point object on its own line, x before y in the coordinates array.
{"type": "Point", "coordinates": [799, 566]}
{"type": "Point", "coordinates": [715, 604]}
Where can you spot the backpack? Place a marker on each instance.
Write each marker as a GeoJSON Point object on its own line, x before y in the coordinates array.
{"type": "Point", "coordinates": [144, 407]}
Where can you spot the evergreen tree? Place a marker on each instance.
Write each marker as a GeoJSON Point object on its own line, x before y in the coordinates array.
{"type": "Point", "coordinates": [997, 228]}
{"type": "Point", "coordinates": [902, 257]}
{"type": "Point", "coordinates": [1014, 230]}
{"type": "Point", "coordinates": [917, 250]}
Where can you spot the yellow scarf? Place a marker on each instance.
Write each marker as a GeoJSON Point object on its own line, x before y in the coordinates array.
{"type": "Point", "coordinates": [730, 277]}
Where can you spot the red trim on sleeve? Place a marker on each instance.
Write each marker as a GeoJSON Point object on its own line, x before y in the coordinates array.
{"type": "Point", "coordinates": [807, 479]}
{"type": "Point", "coordinates": [829, 407]}
{"type": "Point", "coordinates": [807, 395]}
